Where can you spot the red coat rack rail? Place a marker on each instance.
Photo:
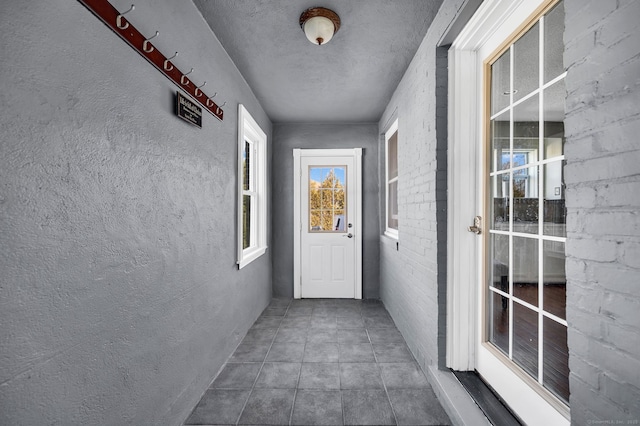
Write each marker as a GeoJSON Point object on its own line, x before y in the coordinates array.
{"type": "Point", "coordinates": [121, 26]}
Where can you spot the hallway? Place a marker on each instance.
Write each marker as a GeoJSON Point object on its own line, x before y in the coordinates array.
{"type": "Point", "coordinates": [321, 362]}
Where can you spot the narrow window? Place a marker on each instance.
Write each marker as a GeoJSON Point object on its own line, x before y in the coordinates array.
{"type": "Point", "coordinates": [391, 155]}
{"type": "Point", "coordinates": [252, 208]}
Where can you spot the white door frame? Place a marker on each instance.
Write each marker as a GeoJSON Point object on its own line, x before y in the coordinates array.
{"type": "Point", "coordinates": [465, 305]}
{"type": "Point", "coordinates": [356, 153]}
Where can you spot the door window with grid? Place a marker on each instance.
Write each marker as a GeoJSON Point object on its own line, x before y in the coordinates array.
{"type": "Point", "coordinates": [526, 283]}
{"type": "Point", "coordinates": [327, 199]}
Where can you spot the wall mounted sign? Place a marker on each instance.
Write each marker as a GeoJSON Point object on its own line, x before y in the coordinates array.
{"type": "Point", "coordinates": [141, 44]}
{"type": "Point", "coordinates": [188, 110]}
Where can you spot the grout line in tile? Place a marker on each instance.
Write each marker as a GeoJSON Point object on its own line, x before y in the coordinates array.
{"type": "Point", "coordinates": [293, 405]}
{"type": "Point", "coordinates": [384, 385]}
{"type": "Point", "coordinates": [295, 394]}
{"type": "Point", "coordinates": [253, 386]}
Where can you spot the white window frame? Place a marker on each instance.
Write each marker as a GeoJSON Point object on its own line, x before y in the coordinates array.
{"type": "Point", "coordinates": [250, 131]}
{"type": "Point", "coordinates": [393, 129]}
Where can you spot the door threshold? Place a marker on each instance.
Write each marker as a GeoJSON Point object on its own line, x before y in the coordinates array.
{"type": "Point", "coordinates": [491, 404]}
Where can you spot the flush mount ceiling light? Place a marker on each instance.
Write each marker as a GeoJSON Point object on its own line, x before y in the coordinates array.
{"type": "Point", "coordinates": [319, 24]}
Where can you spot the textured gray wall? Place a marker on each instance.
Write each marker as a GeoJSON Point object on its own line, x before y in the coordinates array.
{"type": "Point", "coordinates": [602, 175]}
{"type": "Point", "coordinates": [286, 137]}
{"type": "Point", "coordinates": [119, 294]}
{"type": "Point", "coordinates": [412, 274]}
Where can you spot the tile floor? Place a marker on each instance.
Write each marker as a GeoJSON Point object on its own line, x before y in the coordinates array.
{"type": "Point", "coordinates": [321, 362]}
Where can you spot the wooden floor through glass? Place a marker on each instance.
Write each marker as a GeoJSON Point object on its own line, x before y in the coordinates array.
{"type": "Point", "coordinates": [526, 336]}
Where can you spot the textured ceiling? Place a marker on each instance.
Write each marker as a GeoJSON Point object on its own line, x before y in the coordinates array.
{"type": "Point", "coordinates": [350, 79]}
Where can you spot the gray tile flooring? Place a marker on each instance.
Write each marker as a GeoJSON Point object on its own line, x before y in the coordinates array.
{"type": "Point", "coordinates": [321, 362]}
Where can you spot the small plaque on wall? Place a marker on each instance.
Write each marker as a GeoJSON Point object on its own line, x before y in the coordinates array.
{"type": "Point", "coordinates": [188, 110]}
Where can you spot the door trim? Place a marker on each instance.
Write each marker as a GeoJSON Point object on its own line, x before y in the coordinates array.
{"type": "Point", "coordinates": [298, 153]}
{"type": "Point", "coordinates": [465, 130]}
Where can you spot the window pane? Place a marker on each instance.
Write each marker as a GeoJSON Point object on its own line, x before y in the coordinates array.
{"type": "Point", "coordinates": [327, 178]}
{"type": "Point", "coordinates": [554, 202]}
{"type": "Point", "coordinates": [314, 221]}
{"type": "Point", "coordinates": [500, 142]}
{"type": "Point", "coordinates": [246, 166]}
{"type": "Point", "coordinates": [339, 177]}
{"type": "Point", "coordinates": [525, 199]}
{"type": "Point", "coordinates": [392, 214]}
{"type": "Point", "coordinates": [555, 211]}
{"type": "Point", "coordinates": [315, 201]}
{"type": "Point", "coordinates": [525, 338]}
{"type": "Point", "coordinates": [553, 45]}
{"type": "Point", "coordinates": [246, 221]}
{"type": "Point", "coordinates": [525, 269]}
{"type": "Point", "coordinates": [525, 63]}
{"type": "Point", "coordinates": [499, 204]}
{"type": "Point", "coordinates": [556, 359]}
{"type": "Point", "coordinates": [327, 198]}
{"type": "Point", "coordinates": [339, 221]}
{"type": "Point", "coordinates": [326, 220]}
{"type": "Point", "coordinates": [555, 280]}
{"type": "Point", "coordinates": [554, 112]}
{"type": "Point", "coordinates": [553, 146]}
{"type": "Point", "coordinates": [339, 198]}
{"type": "Point", "coordinates": [499, 328]}
{"type": "Point", "coordinates": [315, 177]}
{"type": "Point", "coordinates": [500, 84]}
{"type": "Point", "coordinates": [500, 268]}
{"type": "Point", "coordinates": [526, 131]}
{"type": "Point", "coordinates": [393, 156]}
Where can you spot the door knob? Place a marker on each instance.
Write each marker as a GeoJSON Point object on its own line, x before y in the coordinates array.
{"type": "Point", "coordinates": [475, 228]}
{"type": "Point", "coordinates": [349, 235]}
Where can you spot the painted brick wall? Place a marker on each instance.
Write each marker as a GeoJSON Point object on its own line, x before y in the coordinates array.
{"type": "Point", "coordinates": [412, 274]}
{"type": "Point", "coordinates": [602, 56]}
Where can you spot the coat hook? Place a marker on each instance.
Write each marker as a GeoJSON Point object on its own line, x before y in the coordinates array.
{"type": "Point", "coordinates": [166, 63]}
{"type": "Point", "coordinates": [184, 80]}
{"type": "Point", "coordinates": [198, 89]}
{"type": "Point", "coordinates": [223, 104]}
{"type": "Point", "coordinates": [146, 44]}
{"type": "Point", "coordinates": [119, 19]}
{"type": "Point", "coordinates": [210, 103]}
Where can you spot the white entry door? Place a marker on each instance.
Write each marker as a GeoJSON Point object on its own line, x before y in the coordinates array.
{"type": "Point", "coordinates": [328, 241]}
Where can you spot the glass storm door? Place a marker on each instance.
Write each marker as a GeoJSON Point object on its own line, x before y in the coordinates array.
{"type": "Point", "coordinates": [525, 283]}
{"type": "Point", "coordinates": [328, 227]}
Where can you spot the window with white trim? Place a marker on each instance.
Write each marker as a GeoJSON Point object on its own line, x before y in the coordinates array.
{"type": "Point", "coordinates": [252, 189]}
{"type": "Point", "coordinates": [391, 179]}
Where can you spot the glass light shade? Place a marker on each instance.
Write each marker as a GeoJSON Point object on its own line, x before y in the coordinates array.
{"type": "Point", "coordinates": [319, 30]}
